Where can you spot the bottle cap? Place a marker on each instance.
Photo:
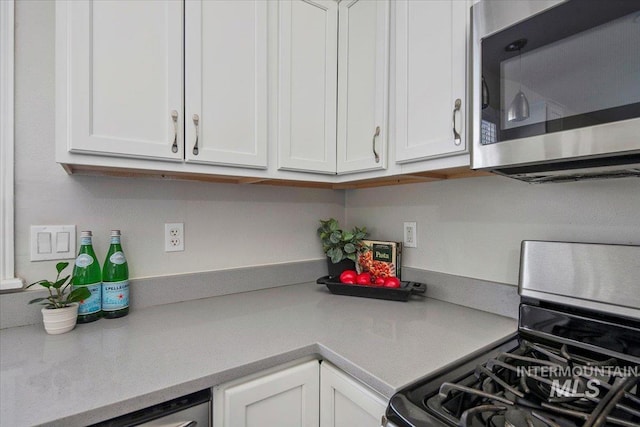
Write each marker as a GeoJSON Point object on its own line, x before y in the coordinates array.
{"type": "Point", "coordinates": [85, 234]}
{"type": "Point", "coordinates": [115, 232]}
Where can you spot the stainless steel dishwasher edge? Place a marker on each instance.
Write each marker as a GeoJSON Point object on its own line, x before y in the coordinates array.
{"type": "Point", "coordinates": [192, 410]}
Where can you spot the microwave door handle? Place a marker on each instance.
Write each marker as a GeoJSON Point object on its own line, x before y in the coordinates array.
{"type": "Point", "coordinates": [456, 136]}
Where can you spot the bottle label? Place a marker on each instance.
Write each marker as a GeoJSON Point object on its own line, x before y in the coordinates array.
{"type": "Point", "coordinates": [91, 304]}
{"type": "Point", "coordinates": [115, 240]}
{"type": "Point", "coordinates": [84, 260]}
{"type": "Point", "coordinates": [115, 295]}
{"type": "Point", "coordinates": [85, 241]}
{"type": "Point", "coordinates": [118, 258]}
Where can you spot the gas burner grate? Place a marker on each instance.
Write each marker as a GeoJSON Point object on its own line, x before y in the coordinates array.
{"type": "Point", "coordinates": [537, 386]}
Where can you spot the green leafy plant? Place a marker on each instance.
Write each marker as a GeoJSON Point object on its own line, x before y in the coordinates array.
{"type": "Point", "coordinates": [58, 298]}
{"type": "Point", "coordinates": [338, 244]}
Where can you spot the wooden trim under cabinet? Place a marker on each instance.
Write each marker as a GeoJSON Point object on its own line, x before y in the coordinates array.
{"type": "Point", "coordinates": [413, 178]}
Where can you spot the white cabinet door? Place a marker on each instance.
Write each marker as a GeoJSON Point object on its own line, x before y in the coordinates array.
{"type": "Point", "coordinates": [120, 88]}
{"type": "Point", "coordinates": [345, 402]}
{"type": "Point", "coordinates": [226, 82]}
{"type": "Point", "coordinates": [430, 77]}
{"type": "Point", "coordinates": [362, 85]}
{"type": "Point", "coordinates": [284, 398]}
{"type": "Point", "coordinates": [308, 62]}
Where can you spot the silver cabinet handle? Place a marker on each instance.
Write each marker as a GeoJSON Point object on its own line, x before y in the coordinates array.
{"type": "Point", "coordinates": [174, 117]}
{"type": "Point", "coordinates": [196, 121]}
{"type": "Point", "coordinates": [456, 136]}
{"type": "Point", "coordinates": [375, 153]}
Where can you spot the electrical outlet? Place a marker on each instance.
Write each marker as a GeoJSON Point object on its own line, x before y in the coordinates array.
{"type": "Point", "coordinates": [174, 237]}
{"type": "Point", "coordinates": [410, 235]}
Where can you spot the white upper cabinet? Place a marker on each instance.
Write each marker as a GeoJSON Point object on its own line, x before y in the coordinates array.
{"type": "Point", "coordinates": [430, 53]}
{"type": "Point", "coordinates": [226, 82]}
{"type": "Point", "coordinates": [265, 89]}
{"type": "Point", "coordinates": [362, 85]}
{"type": "Point", "coordinates": [121, 93]}
{"type": "Point", "coordinates": [308, 63]}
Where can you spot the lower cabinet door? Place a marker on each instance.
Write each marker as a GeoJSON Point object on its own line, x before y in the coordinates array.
{"type": "Point", "coordinates": [283, 398]}
{"type": "Point", "coordinates": [345, 402]}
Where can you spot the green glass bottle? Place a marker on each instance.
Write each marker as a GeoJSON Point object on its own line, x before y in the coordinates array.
{"type": "Point", "coordinates": [86, 272]}
{"type": "Point", "coordinates": [115, 280]}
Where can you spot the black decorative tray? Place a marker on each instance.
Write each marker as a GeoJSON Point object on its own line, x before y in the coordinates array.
{"type": "Point", "coordinates": [402, 293]}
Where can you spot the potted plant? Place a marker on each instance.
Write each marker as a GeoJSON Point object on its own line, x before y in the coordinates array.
{"type": "Point", "coordinates": [341, 247]}
{"type": "Point", "coordinates": [60, 310]}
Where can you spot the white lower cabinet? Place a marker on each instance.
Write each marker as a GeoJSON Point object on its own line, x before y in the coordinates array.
{"type": "Point", "coordinates": [297, 395]}
{"type": "Point", "coordinates": [285, 398]}
{"type": "Point", "coordinates": [345, 402]}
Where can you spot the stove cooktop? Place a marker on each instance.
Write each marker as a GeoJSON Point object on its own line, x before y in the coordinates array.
{"type": "Point", "coordinates": [576, 378]}
{"type": "Point", "coordinates": [575, 360]}
{"type": "Point", "coordinates": [536, 385]}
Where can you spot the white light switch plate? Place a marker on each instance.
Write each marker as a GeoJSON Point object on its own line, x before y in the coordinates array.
{"type": "Point", "coordinates": [53, 242]}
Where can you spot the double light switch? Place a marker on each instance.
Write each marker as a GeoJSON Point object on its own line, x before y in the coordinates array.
{"type": "Point", "coordinates": [53, 242]}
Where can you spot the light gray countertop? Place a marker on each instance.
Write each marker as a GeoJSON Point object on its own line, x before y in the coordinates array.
{"type": "Point", "coordinates": [112, 367]}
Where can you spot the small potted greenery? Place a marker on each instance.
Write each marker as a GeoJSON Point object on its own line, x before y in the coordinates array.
{"type": "Point", "coordinates": [60, 311]}
{"type": "Point", "coordinates": [341, 247]}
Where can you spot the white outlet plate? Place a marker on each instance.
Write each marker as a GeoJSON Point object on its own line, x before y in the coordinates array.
{"type": "Point", "coordinates": [50, 242]}
{"type": "Point", "coordinates": [174, 237]}
{"type": "Point", "coordinates": [410, 235]}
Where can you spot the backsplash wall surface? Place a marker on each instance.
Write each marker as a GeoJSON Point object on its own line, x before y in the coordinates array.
{"type": "Point", "coordinates": [469, 227]}
{"type": "Point", "coordinates": [226, 226]}
{"type": "Point", "coordinates": [473, 227]}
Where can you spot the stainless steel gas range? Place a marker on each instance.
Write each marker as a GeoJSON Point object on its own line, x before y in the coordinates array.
{"type": "Point", "coordinates": [574, 361]}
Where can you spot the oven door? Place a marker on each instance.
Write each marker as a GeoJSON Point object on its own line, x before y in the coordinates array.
{"type": "Point", "coordinates": [554, 81]}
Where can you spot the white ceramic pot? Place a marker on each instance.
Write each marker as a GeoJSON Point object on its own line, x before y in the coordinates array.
{"type": "Point", "coordinates": [60, 320]}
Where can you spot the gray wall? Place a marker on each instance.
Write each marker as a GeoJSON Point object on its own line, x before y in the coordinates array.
{"type": "Point", "coordinates": [469, 227]}
{"type": "Point", "coordinates": [473, 227]}
{"type": "Point", "coordinates": [226, 226]}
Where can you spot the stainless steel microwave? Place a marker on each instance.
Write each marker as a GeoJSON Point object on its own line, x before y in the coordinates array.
{"type": "Point", "coordinates": [555, 88]}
